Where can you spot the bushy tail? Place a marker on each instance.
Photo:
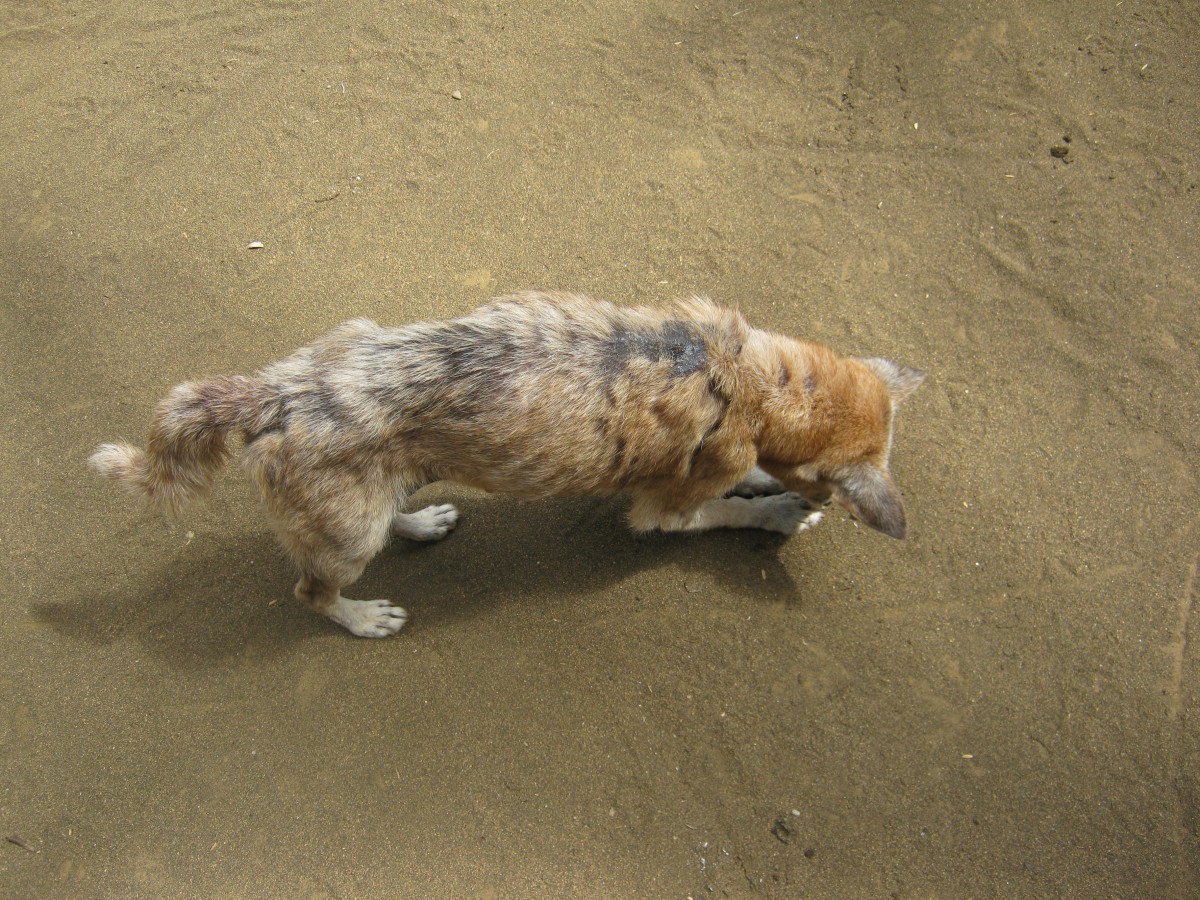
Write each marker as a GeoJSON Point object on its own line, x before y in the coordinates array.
{"type": "Point", "coordinates": [187, 443]}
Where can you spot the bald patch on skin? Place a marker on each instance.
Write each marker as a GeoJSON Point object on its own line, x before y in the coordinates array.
{"type": "Point", "coordinates": [677, 342]}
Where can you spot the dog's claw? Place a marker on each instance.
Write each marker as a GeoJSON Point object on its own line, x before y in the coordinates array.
{"type": "Point", "coordinates": [429, 524]}
{"type": "Point", "coordinates": [368, 618]}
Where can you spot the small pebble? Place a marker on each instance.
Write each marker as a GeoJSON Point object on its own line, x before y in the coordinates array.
{"type": "Point", "coordinates": [457, 95]}
{"type": "Point", "coordinates": [254, 245]}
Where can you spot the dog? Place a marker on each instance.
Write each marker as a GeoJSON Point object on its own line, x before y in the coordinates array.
{"type": "Point", "coordinates": [706, 421]}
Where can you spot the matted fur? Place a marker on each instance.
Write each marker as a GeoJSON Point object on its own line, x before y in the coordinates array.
{"type": "Point", "coordinates": [535, 394]}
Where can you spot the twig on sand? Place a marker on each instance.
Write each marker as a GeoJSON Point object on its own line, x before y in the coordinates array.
{"type": "Point", "coordinates": [14, 839]}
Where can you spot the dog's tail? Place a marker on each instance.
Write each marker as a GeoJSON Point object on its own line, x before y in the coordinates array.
{"type": "Point", "coordinates": [188, 441]}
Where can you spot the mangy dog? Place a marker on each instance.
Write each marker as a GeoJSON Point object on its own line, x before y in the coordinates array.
{"type": "Point", "coordinates": [536, 395]}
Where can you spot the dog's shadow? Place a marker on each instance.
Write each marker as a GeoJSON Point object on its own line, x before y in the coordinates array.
{"type": "Point", "coordinates": [230, 595]}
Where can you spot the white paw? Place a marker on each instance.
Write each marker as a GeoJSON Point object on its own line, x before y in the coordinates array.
{"type": "Point", "coordinates": [429, 524]}
{"type": "Point", "coordinates": [787, 513]}
{"type": "Point", "coordinates": [813, 520]}
{"type": "Point", "coordinates": [368, 618]}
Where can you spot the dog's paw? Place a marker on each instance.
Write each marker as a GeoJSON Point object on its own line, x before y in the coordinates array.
{"type": "Point", "coordinates": [368, 618]}
{"type": "Point", "coordinates": [787, 513]}
{"type": "Point", "coordinates": [429, 524]}
{"type": "Point", "coordinates": [756, 484]}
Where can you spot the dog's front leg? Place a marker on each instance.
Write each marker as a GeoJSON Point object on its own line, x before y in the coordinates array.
{"type": "Point", "coordinates": [757, 483]}
{"type": "Point", "coordinates": [785, 513]}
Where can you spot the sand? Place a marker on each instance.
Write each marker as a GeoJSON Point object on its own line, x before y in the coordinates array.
{"type": "Point", "coordinates": [1003, 705]}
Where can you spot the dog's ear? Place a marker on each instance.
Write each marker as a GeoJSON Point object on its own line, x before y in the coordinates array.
{"type": "Point", "coordinates": [870, 494]}
{"type": "Point", "coordinates": [901, 381]}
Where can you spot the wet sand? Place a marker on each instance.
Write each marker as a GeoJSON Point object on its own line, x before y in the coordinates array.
{"type": "Point", "coordinates": [1003, 705]}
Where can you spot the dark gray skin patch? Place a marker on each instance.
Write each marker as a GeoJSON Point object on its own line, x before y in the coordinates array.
{"type": "Point", "coordinates": [621, 346]}
{"type": "Point", "coordinates": [784, 375]}
{"type": "Point", "coordinates": [683, 345]}
{"type": "Point", "coordinates": [677, 342]}
{"type": "Point", "coordinates": [810, 383]}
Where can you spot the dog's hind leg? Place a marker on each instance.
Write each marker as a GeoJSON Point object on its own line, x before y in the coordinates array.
{"type": "Point", "coordinates": [364, 618]}
{"type": "Point", "coordinates": [429, 524]}
{"type": "Point", "coordinates": [332, 525]}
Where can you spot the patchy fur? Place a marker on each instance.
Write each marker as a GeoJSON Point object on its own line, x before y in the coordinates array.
{"type": "Point", "coordinates": [537, 395]}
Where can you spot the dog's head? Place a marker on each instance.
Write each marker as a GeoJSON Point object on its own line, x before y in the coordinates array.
{"type": "Point", "coordinates": [829, 434]}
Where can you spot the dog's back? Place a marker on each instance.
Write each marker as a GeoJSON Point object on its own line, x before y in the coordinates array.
{"type": "Point", "coordinates": [533, 394]}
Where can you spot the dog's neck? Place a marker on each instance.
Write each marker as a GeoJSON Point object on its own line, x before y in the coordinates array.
{"type": "Point", "coordinates": [807, 397]}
